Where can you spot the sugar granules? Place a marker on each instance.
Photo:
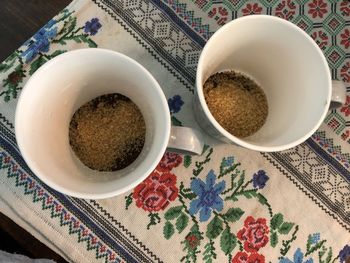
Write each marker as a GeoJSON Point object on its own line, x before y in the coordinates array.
{"type": "Point", "coordinates": [108, 132]}
{"type": "Point", "coordinates": [237, 103]}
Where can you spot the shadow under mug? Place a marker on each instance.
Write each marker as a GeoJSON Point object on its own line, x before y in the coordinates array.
{"type": "Point", "coordinates": [290, 68]}
{"type": "Point", "coordinates": [55, 91]}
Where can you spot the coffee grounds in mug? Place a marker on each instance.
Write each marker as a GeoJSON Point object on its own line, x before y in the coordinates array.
{"type": "Point", "coordinates": [107, 133]}
{"type": "Point", "coordinates": [237, 103]}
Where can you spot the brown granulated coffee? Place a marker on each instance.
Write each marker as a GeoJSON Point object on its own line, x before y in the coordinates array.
{"type": "Point", "coordinates": [237, 103]}
{"type": "Point", "coordinates": [108, 132]}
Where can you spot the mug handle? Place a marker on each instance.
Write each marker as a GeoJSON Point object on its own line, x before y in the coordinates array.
{"type": "Point", "coordinates": [185, 140]}
{"type": "Point", "coordinates": [338, 94]}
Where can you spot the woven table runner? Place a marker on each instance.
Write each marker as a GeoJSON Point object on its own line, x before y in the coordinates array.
{"type": "Point", "coordinates": [227, 205]}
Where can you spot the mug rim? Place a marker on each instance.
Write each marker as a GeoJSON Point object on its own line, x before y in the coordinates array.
{"type": "Point", "coordinates": [47, 180]}
{"type": "Point", "coordinates": [214, 122]}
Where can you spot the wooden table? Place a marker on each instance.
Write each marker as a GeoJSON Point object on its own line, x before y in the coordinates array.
{"type": "Point", "coordinates": [19, 20]}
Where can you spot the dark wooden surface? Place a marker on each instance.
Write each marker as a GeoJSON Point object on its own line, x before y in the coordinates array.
{"type": "Point", "coordinates": [19, 20]}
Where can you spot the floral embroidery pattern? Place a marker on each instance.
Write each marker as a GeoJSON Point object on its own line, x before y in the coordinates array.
{"type": "Point", "coordinates": [36, 51]}
{"type": "Point", "coordinates": [321, 39]}
{"type": "Point", "coordinates": [345, 38]}
{"type": "Point", "coordinates": [169, 161]}
{"type": "Point", "coordinates": [254, 234]}
{"type": "Point", "coordinates": [345, 72]}
{"type": "Point", "coordinates": [252, 9]}
{"type": "Point", "coordinates": [345, 8]}
{"type": "Point", "coordinates": [344, 254]}
{"type": "Point", "coordinates": [199, 210]}
{"type": "Point", "coordinates": [202, 204]}
{"type": "Point", "coordinates": [297, 258]}
{"type": "Point", "coordinates": [317, 8]}
{"type": "Point", "coordinates": [40, 41]}
{"type": "Point", "coordinates": [286, 9]}
{"type": "Point", "coordinates": [259, 179]}
{"type": "Point", "coordinates": [92, 27]}
{"type": "Point", "coordinates": [220, 14]}
{"type": "Point", "coordinates": [346, 108]}
{"type": "Point", "coordinates": [243, 257]}
{"type": "Point", "coordinates": [156, 192]}
{"type": "Point", "coordinates": [208, 196]}
{"type": "Point", "coordinates": [175, 103]}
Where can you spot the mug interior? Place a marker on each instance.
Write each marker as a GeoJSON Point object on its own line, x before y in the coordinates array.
{"type": "Point", "coordinates": [57, 90]}
{"type": "Point", "coordinates": [289, 67]}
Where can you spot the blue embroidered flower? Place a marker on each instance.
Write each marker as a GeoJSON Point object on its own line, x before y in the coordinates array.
{"type": "Point", "coordinates": [175, 104]}
{"type": "Point", "coordinates": [208, 196]}
{"type": "Point", "coordinates": [297, 258]}
{"type": "Point", "coordinates": [91, 27]}
{"type": "Point", "coordinates": [229, 161]}
{"type": "Point", "coordinates": [344, 254]}
{"type": "Point", "coordinates": [259, 179]}
{"type": "Point", "coordinates": [40, 41]}
{"type": "Point", "coordinates": [315, 238]}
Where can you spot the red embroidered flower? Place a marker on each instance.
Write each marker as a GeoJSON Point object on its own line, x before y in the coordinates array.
{"type": "Point", "coordinates": [15, 77]}
{"type": "Point", "coordinates": [156, 192]}
{"type": "Point", "coordinates": [254, 234]}
{"type": "Point", "coordinates": [346, 107]}
{"type": "Point", "coordinates": [242, 257]}
{"type": "Point", "coordinates": [317, 8]}
{"type": "Point", "coordinates": [321, 38]}
{"type": "Point", "coordinates": [345, 8]}
{"type": "Point", "coordinates": [345, 72]}
{"type": "Point", "coordinates": [192, 241]}
{"type": "Point", "coordinates": [286, 9]}
{"type": "Point", "coordinates": [220, 14]}
{"type": "Point", "coordinates": [256, 258]}
{"type": "Point", "coordinates": [345, 38]}
{"type": "Point", "coordinates": [251, 9]}
{"type": "Point", "coordinates": [169, 161]}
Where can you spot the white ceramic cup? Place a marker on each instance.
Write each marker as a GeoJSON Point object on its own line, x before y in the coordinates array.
{"type": "Point", "coordinates": [55, 91]}
{"type": "Point", "coordinates": [290, 68]}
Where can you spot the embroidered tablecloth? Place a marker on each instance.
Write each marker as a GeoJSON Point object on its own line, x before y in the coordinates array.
{"type": "Point", "coordinates": [227, 205]}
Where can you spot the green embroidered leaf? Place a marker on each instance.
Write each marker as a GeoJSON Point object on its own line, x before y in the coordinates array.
{"type": "Point", "coordinates": [90, 42]}
{"type": "Point", "coordinates": [189, 195]}
{"type": "Point", "coordinates": [173, 212]}
{"type": "Point", "coordinates": [175, 121]}
{"type": "Point", "coordinates": [249, 193]}
{"type": "Point", "coordinates": [57, 52]}
{"type": "Point", "coordinates": [168, 230]}
{"type": "Point", "coordinates": [234, 214]}
{"type": "Point", "coordinates": [329, 256]}
{"type": "Point", "coordinates": [209, 252]}
{"type": "Point", "coordinates": [228, 241]}
{"type": "Point", "coordinates": [71, 23]}
{"type": "Point", "coordinates": [276, 221]}
{"type": "Point", "coordinates": [262, 199]}
{"type": "Point", "coordinates": [285, 228]}
{"type": "Point", "coordinates": [153, 220]}
{"type": "Point", "coordinates": [4, 67]}
{"type": "Point", "coordinates": [37, 64]}
{"type": "Point", "coordinates": [214, 228]}
{"type": "Point", "coordinates": [187, 160]}
{"type": "Point", "coordinates": [128, 201]}
{"type": "Point", "coordinates": [273, 239]}
{"type": "Point", "coordinates": [321, 254]}
{"type": "Point", "coordinates": [316, 247]}
{"type": "Point", "coordinates": [286, 244]}
{"type": "Point", "coordinates": [181, 222]}
{"type": "Point", "coordinates": [187, 192]}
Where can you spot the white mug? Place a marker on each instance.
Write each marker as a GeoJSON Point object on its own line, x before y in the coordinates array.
{"type": "Point", "coordinates": [290, 68]}
{"type": "Point", "coordinates": [55, 91]}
